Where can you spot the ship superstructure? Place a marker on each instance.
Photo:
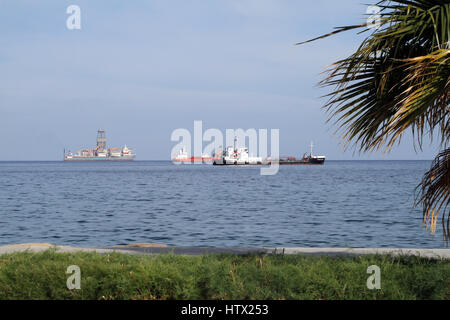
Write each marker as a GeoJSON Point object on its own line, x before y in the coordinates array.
{"type": "Point", "coordinates": [236, 156]}
{"type": "Point", "coordinates": [101, 152]}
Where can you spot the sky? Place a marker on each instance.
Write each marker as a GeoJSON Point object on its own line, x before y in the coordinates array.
{"type": "Point", "coordinates": [141, 69]}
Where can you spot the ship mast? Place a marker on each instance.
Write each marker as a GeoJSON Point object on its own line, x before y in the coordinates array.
{"type": "Point", "coordinates": [311, 149]}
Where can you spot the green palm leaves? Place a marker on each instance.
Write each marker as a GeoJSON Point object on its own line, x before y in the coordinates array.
{"type": "Point", "coordinates": [399, 79]}
{"type": "Point", "coordinates": [434, 193]}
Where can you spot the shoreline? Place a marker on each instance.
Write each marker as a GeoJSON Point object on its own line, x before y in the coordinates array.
{"type": "Point", "coordinates": [152, 249]}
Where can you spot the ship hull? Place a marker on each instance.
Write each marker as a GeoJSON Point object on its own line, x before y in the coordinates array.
{"type": "Point", "coordinates": [193, 160]}
{"type": "Point", "coordinates": [292, 163]}
{"type": "Point", "coordinates": [237, 163]}
{"type": "Point", "coordinates": [99, 159]}
{"type": "Point", "coordinates": [296, 163]}
{"type": "Point", "coordinates": [225, 162]}
{"type": "Point", "coordinates": [300, 162]}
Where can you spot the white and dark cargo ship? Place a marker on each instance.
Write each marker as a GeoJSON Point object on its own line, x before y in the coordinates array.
{"type": "Point", "coordinates": [101, 153]}
{"type": "Point", "coordinates": [240, 156]}
{"type": "Point", "coordinates": [306, 159]}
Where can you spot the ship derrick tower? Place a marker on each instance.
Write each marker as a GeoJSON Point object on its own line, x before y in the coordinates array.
{"type": "Point", "coordinates": [101, 141]}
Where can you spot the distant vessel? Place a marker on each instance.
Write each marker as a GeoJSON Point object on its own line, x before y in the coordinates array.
{"type": "Point", "coordinates": [236, 156]}
{"type": "Point", "coordinates": [306, 159]}
{"type": "Point", "coordinates": [100, 153]}
{"type": "Point", "coordinates": [182, 156]}
{"type": "Point", "coordinates": [240, 156]}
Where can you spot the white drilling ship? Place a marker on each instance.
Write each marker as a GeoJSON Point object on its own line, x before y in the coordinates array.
{"type": "Point", "coordinates": [101, 153]}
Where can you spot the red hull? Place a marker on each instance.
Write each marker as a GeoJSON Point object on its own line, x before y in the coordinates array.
{"type": "Point", "coordinates": [194, 159]}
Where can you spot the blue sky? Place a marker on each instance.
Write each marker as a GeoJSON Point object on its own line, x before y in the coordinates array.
{"type": "Point", "coordinates": [140, 69]}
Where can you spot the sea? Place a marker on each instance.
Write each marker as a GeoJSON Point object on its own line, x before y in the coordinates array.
{"type": "Point", "coordinates": [339, 204]}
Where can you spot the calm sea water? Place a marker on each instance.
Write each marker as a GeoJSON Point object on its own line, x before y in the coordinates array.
{"type": "Point", "coordinates": [340, 204]}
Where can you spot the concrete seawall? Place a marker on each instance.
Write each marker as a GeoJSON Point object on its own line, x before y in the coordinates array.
{"type": "Point", "coordinates": [147, 248]}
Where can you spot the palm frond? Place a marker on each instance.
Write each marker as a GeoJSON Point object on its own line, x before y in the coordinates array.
{"type": "Point", "coordinates": [338, 30]}
{"type": "Point", "coordinates": [397, 80]}
{"type": "Point", "coordinates": [433, 193]}
{"type": "Point", "coordinates": [389, 84]}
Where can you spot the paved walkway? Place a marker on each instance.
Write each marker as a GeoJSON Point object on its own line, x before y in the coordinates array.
{"type": "Point", "coordinates": [147, 248]}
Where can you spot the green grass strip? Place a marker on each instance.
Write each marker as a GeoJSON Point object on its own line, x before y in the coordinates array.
{"type": "Point", "coordinates": [167, 276]}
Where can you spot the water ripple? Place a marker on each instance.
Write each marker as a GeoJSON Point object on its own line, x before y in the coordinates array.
{"type": "Point", "coordinates": [343, 203]}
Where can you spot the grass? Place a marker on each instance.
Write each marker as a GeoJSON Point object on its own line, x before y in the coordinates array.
{"type": "Point", "coordinates": [121, 276]}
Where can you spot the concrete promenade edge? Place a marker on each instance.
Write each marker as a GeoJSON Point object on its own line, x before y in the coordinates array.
{"type": "Point", "coordinates": [160, 249]}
